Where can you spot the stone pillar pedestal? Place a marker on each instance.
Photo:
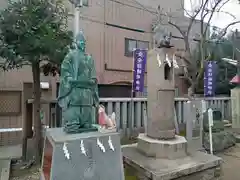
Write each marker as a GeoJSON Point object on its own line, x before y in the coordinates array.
{"type": "Point", "coordinates": [160, 140]}
{"type": "Point", "coordinates": [161, 93]}
{"type": "Point", "coordinates": [169, 149]}
{"type": "Point", "coordinates": [235, 104]}
{"type": "Point", "coordinates": [160, 124]}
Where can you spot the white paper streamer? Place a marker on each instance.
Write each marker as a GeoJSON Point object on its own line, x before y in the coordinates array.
{"type": "Point", "coordinates": [83, 151]}
{"type": "Point", "coordinates": [110, 143]}
{"type": "Point", "coordinates": [175, 65]}
{"type": "Point", "coordinates": [100, 145]}
{"type": "Point", "coordinates": [159, 60]}
{"type": "Point", "coordinates": [168, 60]}
{"type": "Point", "coordinates": [65, 150]}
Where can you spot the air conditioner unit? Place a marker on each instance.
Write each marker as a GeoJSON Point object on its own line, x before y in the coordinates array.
{"type": "Point", "coordinates": [44, 85]}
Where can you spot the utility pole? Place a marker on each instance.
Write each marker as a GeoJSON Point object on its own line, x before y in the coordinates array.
{"type": "Point", "coordinates": [77, 6]}
{"type": "Point", "coordinates": [77, 17]}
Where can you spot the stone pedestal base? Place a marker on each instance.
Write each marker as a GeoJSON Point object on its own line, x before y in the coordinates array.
{"type": "Point", "coordinates": [197, 166]}
{"type": "Point", "coordinates": [94, 162]}
{"type": "Point", "coordinates": [221, 141]}
{"type": "Point", "coordinates": [169, 149]}
{"type": "Point", "coordinates": [167, 134]}
{"type": "Point", "coordinates": [235, 106]}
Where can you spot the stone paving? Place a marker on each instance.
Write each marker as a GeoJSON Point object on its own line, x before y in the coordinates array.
{"type": "Point", "coordinates": [231, 158]}
{"type": "Point", "coordinates": [231, 164]}
{"type": "Point", "coordinates": [4, 169]}
{"type": "Point", "coordinates": [7, 153]}
{"type": "Point", "coordinates": [10, 152]}
{"type": "Point", "coordinates": [27, 174]}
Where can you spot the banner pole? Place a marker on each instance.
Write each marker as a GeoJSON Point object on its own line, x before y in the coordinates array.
{"type": "Point", "coordinates": [210, 124]}
{"type": "Point", "coordinates": [131, 124]}
{"type": "Point", "coordinates": [131, 111]}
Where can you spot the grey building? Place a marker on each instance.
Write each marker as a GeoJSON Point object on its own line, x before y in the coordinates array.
{"type": "Point", "coordinates": [113, 28]}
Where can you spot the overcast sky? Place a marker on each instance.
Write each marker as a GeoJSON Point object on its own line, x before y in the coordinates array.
{"type": "Point", "coordinates": [221, 19]}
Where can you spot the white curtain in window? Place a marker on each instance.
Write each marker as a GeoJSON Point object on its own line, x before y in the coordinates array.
{"type": "Point", "coordinates": [142, 45]}
{"type": "Point", "coordinates": [132, 45]}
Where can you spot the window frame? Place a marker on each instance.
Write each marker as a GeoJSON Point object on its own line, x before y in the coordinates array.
{"type": "Point", "coordinates": [86, 3]}
{"type": "Point", "coordinates": [127, 53]}
{"type": "Point", "coordinates": [126, 42]}
{"type": "Point", "coordinates": [143, 42]}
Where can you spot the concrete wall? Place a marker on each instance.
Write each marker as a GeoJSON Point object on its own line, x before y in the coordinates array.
{"type": "Point", "coordinates": [107, 43]}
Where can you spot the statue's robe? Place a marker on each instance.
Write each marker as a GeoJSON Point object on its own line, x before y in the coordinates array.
{"type": "Point", "coordinates": [78, 92]}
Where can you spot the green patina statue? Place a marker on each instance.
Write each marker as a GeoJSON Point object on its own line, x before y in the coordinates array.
{"type": "Point", "coordinates": [78, 91]}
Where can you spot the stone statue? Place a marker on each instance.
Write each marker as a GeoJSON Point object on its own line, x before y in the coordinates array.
{"type": "Point", "coordinates": [166, 40]}
{"type": "Point", "coordinates": [78, 92]}
{"type": "Point", "coordinates": [221, 138]}
{"type": "Point", "coordinates": [162, 37]}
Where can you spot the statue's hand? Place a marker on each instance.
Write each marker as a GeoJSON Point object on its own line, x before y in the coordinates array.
{"type": "Point", "coordinates": [64, 103]}
{"type": "Point", "coordinates": [96, 104]}
{"type": "Point", "coordinates": [73, 83]}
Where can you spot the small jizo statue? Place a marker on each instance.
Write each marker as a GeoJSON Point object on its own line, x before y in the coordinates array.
{"type": "Point", "coordinates": [78, 92]}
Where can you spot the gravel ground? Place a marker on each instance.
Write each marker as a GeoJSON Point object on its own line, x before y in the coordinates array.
{"type": "Point", "coordinates": [231, 164]}
{"type": "Point", "coordinates": [26, 174]}
{"type": "Point", "coordinates": [32, 176]}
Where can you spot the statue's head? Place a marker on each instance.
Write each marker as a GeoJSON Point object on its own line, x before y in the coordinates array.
{"type": "Point", "coordinates": [80, 41]}
{"type": "Point", "coordinates": [167, 37]}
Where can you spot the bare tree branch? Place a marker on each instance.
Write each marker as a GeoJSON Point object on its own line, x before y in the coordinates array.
{"type": "Point", "coordinates": [191, 17]}
{"type": "Point", "coordinates": [177, 27]}
{"type": "Point", "coordinates": [203, 8]}
{"type": "Point", "coordinates": [223, 4]}
{"type": "Point", "coordinates": [213, 10]}
{"type": "Point", "coordinates": [182, 7]}
{"type": "Point", "coordinates": [224, 31]}
{"type": "Point", "coordinates": [183, 58]}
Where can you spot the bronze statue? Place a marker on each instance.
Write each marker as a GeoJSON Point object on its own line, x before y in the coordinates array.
{"type": "Point", "coordinates": [78, 91]}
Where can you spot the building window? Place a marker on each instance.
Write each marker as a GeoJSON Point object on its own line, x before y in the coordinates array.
{"type": "Point", "coordinates": [85, 2]}
{"type": "Point", "coordinates": [176, 91]}
{"type": "Point", "coordinates": [131, 44]}
{"type": "Point", "coordinates": [167, 71]}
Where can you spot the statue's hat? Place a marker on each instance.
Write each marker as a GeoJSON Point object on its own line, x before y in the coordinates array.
{"type": "Point", "coordinates": [80, 36]}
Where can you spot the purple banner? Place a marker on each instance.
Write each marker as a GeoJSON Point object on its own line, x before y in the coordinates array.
{"type": "Point", "coordinates": [210, 73]}
{"type": "Point", "coordinates": [139, 58]}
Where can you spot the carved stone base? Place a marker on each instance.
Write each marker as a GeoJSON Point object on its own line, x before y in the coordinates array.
{"type": "Point", "coordinates": [87, 159]}
{"type": "Point", "coordinates": [170, 149]}
{"type": "Point", "coordinates": [196, 166]}
{"type": "Point", "coordinates": [169, 134]}
{"type": "Point", "coordinates": [235, 103]}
